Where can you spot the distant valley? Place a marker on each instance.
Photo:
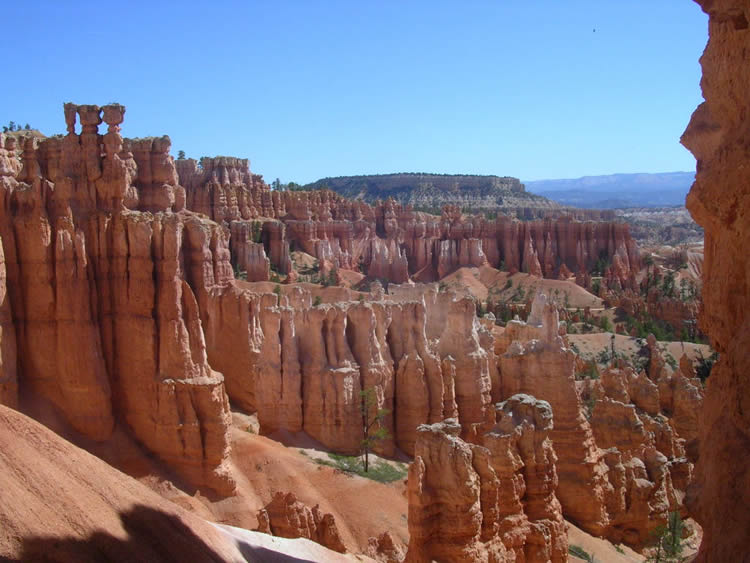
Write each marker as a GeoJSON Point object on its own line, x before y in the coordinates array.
{"type": "Point", "coordinates": [617, 190]}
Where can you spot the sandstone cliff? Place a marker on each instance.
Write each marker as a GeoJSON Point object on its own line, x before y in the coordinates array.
{"type": "Point", "coordinates": [119, 307]}
{"type": "Point", "coordinates": [301, 366]}
{"type": "Point", "coordinates": [106, 323]}
{"type": "Point", "coordinates": [719, 201]}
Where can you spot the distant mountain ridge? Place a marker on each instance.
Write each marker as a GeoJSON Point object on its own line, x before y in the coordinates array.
{"type": "Point", "coordinates": [617, 190]}
{"type": "Point", "coordinates": [432, 191]}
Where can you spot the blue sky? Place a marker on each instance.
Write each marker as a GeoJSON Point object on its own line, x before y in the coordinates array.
{"type": "Point", "coordinates": [308, 89]}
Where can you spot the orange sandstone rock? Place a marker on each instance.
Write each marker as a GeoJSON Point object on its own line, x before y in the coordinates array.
{"type": "Point", "coordinates": [107, 322]}
{"type": "Point", "coordinates": [489, 502]}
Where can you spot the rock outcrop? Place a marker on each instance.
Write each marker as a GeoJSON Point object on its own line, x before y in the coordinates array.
{"type": "Point", "coordinates": [423, 353]}
{"type": "Point", "coordinates": [384, 549]}
{"type": "Point", "coordinates": [120, 306]}
{"type": "Point", "coordinates": [490, 502]}
{"type": "Point", "coordinates": [107, 326]}
{"type": "Point", "coordinates": [719, 202]}
{"type": "Point", "coordinates": [287, 517]}
{"type": "Point", "coordinates": [622, 462]}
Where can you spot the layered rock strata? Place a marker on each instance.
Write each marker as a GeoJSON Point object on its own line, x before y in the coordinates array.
{"type": "Point", "coordinates": [720, 202]}
{"type": "Point", "coordinates": [121, 308]}
{"type": "Point", "coordinates": [492, 501]}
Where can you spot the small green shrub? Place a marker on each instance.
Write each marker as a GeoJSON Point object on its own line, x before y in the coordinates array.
{"type": "Point", "coordinates": [239, 274]}
{"type": "Point", "coordinates": [382, 471]}
{"type": "Point", "coordinates": [669, 358]}
{"type": "Point", "coordinates": [578, 551]}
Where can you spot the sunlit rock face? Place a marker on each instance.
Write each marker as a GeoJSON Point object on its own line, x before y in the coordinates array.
{"type": "Point", "coordinates": [302, 366]}
{"type": "Point", "coordinates": [491, 501]}
{"type": "Point", "coordinates": [287, 517]}
{"type": "Point", "coordinates": [622, 463]}
{"type": "Point", "coordinates": [105, 321]}
{"type": "Point", "coordinates": [720, 202]}
{"type": "Point", "coordinates": [389, 240]}
{"type": "Point", "coordinates": [118, 305]}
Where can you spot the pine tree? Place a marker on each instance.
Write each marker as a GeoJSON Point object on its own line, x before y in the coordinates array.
{"type": "Point", "coordinates": [667, 541]}
{"type": "Point", "coordinates": [370, 420]}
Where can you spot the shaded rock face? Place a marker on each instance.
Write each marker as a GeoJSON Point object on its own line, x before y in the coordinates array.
{"type": "Point", "coordinates": [287, 517]}
{"type": "Point", "coordinates": [389, 240]}
{"type": "Point", "coordinates": [490, 502]}
{"type": "Point", "coordinates": [106, 322]}
{"type": "Point", "coordinates": [383, 548]}
{"type": "Point", "coordinates": [8, 358]}
{"type": "Point", "coordinates": [719, 202]}
{"type": "Point", "coordinates": [620, 441]}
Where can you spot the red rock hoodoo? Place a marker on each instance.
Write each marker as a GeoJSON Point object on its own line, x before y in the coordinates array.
{"type": "Point", "coordinates": [390, 240]}
{"type": "Point", "coordinates": [106, 322]}
{"type": "Point", "coordinates": [621, 464]}
{"type": "Point", "coordinates": [490, 502]}
{"type": "Point", "coordinates": [287, 517]}
{"type": "Point", "coordinates": [118, 306]}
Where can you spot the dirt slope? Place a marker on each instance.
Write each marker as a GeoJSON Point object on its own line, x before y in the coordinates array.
{"type": "Point", "coordinates": [60, 503]}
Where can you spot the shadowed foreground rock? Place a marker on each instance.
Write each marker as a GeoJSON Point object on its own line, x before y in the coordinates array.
{"type": "Point", "coordinates": [287, 517]}
{"type": "Point", "coordinates": [720, 202]}
{"type": "Point", "coordinates": [60, 503]}
{"type": "Point", "coordinates": [489, 502]}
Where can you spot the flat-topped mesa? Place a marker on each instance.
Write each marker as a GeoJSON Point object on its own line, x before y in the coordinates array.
{"type": "Point", "coordinates": [491, 501]}
{"type": "Point", "coordinates": [107, 324]}
{"type": "Point", "coordinates": [624, 491]}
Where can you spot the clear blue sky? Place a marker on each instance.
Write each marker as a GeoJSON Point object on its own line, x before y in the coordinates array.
{"type": "Point", "coordinates": [308, 89]}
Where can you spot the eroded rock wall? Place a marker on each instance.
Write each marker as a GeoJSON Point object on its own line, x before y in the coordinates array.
{"type": "Point", "coordinates": [720, 202]}
{"type": "Point", "coordinates": [302, 366]}
{"type": "Point", "coordinates": [389, 240]}
{"type": "Point", "coordinates": [107, 326]}
{"type": "Point", "coordinates": [621, 441]}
